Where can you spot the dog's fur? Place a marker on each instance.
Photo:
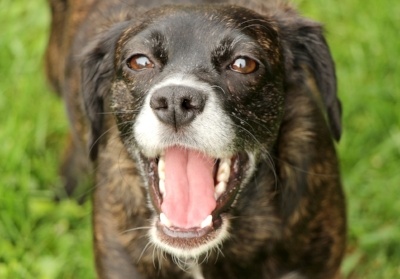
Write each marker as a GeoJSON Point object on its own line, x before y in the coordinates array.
{"type": "Point", "coordinates": [287, 219]}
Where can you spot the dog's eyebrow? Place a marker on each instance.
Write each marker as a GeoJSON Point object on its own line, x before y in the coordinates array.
{"type": "Point", "coordinates": [158, 44]}
{"type": "Point", "coordinates": [223, 51]}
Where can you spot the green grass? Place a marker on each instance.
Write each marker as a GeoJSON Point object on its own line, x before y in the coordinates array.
{"type": "Point", "coordinates": [364, 37]}
{"type": "Point", "coordinates": [38, 238]}
{"type": "Point", "coordinates": [43, 239]}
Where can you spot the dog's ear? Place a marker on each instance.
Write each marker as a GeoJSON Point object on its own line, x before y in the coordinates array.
{"type": "Point", "coordinates": [306, 50]}
{"type": "Point", "coordinates": [97, 74]}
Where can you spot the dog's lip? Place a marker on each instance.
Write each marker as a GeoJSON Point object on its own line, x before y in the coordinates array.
{"type": "Point", "coordinates": [176, 232]}
{"type": "Point", "coordinates": [239, 165]}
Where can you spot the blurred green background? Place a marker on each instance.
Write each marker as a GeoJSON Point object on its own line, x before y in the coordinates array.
{"type": "Point", "coordinates": [43, 239]}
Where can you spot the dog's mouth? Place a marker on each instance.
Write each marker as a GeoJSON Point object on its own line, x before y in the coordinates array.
{"type": "Point", "coordinates": [191, 191]}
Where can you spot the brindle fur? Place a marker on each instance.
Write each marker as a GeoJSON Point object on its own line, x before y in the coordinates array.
{"type": "Point", "coordinates": [293, 224]}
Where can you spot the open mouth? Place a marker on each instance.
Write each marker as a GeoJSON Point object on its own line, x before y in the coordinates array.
{"type": "Point", "coordinates": [190, 191]}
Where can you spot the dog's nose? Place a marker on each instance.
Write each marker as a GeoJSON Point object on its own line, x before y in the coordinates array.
{"type": "Point", "coordinates": [177, 105]}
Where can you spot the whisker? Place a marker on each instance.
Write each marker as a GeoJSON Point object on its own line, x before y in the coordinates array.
{"type": "Point", "coordinates": [255, 24]}
{"type": "Point", "coordinates": [219, 87]}
{"type": "Point", "coordinates": [264, 150]}
{"type": "Point", "coordinates": [247, 131]}
{"type": "Point", "coordinates": [144, 250]}
{"type": "Point", "coordinates": [219, 252]}
{"type": "Point", "coordinates": [119, 112]}
{"type": "Point", "coordinates": [154, 251]}
{"type": "Point", "coordinates": [98, 139]}
{"type": "Point", "coordinates": [304, 170]}
{"type": "Point", "coordinates": [135, 229]}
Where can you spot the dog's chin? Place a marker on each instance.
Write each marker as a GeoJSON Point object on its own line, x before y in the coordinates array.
{"type": "Point", "coordinates": [182, 231]}
{"type": "Point", "coordinates": [189, 244]}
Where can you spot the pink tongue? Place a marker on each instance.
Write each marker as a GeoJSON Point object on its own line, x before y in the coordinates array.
{"type": "Point", "coordinates": [189, 185]}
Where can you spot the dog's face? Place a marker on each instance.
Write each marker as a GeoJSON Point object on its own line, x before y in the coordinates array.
{"type": "Point", "coordinates": [198, 95]}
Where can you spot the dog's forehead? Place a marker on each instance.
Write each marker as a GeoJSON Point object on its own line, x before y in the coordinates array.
{"type": "Point", "coordinates": [205, 24]}
{"type": "Point", "coordinates": [203, 17]}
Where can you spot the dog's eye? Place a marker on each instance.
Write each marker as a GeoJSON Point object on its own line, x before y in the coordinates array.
{"type": "Point", "coordinates": [140, 62]}
{"type": "Point", "coordinates": [244, 65]}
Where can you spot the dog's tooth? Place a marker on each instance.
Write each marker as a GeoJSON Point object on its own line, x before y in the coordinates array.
{"type": "Point", "coordinates": [164, 220]}
{"type": "Point", "coordinates": [207, 222]}
{"type": "Point", "coordinates": [161, 168]}
{"type": "Point", "coordinates": [161, 175]}
{"type": "Point", "coordinates": [227, 161]}
{"type": "Point", "coordinates": [219, 189]}
{"type": "Point", "coordinates": [223, 176]}
{"type": "Point", "coordinates": [161, 186]}
{"type": "Point", "coordinates": [224, 170]}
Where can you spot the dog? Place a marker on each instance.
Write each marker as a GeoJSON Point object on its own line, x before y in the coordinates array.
{"type": "Point", "coordinates": [209, 128]}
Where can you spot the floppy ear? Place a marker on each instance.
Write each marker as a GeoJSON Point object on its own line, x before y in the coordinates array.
{"type": "Point", "coordinates": [307, 47]}
{"type": "Point", "coordinates": [97, 74]}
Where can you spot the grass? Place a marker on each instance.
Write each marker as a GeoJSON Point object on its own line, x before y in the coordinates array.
{"type": "Point", "coordinates": [43, 239]}
{"type": "Point", "coordinates": [364, 41]}
{"type": "Point", "coordinates": [38, 238]}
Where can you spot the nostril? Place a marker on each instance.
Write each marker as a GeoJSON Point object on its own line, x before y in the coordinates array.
{"type": "Point", "coordinates": [187, 104]}
{"type": "Point", "coordinates": [159, 103]}
{"type": "Point", "coordinates": [162, 103]}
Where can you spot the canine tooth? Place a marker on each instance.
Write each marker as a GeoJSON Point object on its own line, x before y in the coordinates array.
{"type": "Point", "coordinates": [161, 186]}
{"type": "Point", "coordinates": [207, 222]}
{"type": "Point", "coordinates": [164, 220]}
{"type": "Point", "coordinates": [226, 161]}
{"type": "Point", "coordinates": [224, 170]}
{"type": "Point", "coordinates": [219, 189]}
{"type": "Point", "coordinates": [161, 168]}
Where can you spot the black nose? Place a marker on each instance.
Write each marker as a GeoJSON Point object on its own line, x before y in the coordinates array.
{"type": "Point", "coordinates": [177, 105]}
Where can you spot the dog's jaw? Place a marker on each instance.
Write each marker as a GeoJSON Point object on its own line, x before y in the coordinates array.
{"type": "Point", "coordinates": [190, 243]}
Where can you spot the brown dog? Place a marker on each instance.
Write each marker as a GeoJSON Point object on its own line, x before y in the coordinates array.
{"type": "Point", "coordinates": [206, 126]}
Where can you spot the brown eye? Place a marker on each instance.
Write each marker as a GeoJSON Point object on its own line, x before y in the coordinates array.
{"type": "Point", "coordinates": [244, 65]}
{"type": "Point", "coordinates": [140, 62]}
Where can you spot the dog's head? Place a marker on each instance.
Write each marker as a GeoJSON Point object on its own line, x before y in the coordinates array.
{"type": "Point", "coordinates": [198, 94]}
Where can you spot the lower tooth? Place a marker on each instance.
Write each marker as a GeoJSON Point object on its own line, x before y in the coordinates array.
{"type": "Point", "coordinates": [207, 222]}
{"type": "Point", "coordinates": [164, 220]}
